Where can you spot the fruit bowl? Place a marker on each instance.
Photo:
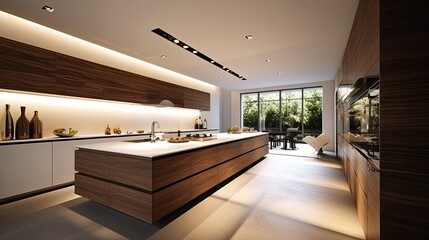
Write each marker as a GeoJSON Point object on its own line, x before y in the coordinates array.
{"type": "Point", "coordinates": [62, 132]}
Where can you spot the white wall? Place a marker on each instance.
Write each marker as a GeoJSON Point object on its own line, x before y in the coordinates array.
{"type": "Point", "coordinates": [25, 31]}
{"type": "Point", "coordinates": [90, 117]}
{"type": "Point", "coordinates": [328, 106]}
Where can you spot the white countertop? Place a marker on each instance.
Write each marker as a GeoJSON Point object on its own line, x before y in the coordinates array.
{"type": "Point", "coordinates": [160, 148]}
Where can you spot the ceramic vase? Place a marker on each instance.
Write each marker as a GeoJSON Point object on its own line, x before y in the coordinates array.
{"type": "Point", "coordinates": [36, 126]}
{"type": "Point", "coordinates": [7, 128]}
{"type": "Point", "coordinates": [22, 126]}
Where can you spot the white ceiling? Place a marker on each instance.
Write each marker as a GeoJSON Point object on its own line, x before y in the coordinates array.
{"type": "Point", "coordinates": [304, 39]}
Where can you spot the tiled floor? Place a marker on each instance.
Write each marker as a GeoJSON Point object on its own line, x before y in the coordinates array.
{"type": "Point", "coordinates": [282, 197]}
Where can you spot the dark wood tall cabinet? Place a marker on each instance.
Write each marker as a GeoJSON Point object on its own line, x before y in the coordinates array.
{"type": "Point", "coordinates": [395, 38]}
{"type": "Point", "coordinates": [359, 59]}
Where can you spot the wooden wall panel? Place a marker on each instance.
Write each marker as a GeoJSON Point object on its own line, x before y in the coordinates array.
{"type": "Point", "coordinates": [404, 112]}
{"type": "Point", "coordinates": [80, 78]}
{"type": "Point", "coordinates": [92, 163]}
{"type": "Point", "coordinates": [26, 68]}
{"type": "Point", "coordinates": [131, 171]}
{"type": "Point", "coordinates": [372, 33]}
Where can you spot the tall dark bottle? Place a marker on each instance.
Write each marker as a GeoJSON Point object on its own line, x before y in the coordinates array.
{"type": "Point", "coordinates": [22, 126]}
{"type": "Point", "coordinates": [36, 126]}
{"type": "Point", "coordinates": [6, 129]}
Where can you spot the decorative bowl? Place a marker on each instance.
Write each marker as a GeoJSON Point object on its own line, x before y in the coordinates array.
{"type": "Point", "coordinates": [62, 132]}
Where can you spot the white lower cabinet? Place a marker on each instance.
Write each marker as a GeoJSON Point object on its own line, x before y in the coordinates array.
{"type": "Point", "coordinates": [25, 168]}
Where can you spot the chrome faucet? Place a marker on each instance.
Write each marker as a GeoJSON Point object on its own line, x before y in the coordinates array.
{"type": "Point", "coordinates": [152, 131]}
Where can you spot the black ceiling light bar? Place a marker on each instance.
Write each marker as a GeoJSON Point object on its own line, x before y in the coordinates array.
{"type": "Point", "coordinates": [185, 46]}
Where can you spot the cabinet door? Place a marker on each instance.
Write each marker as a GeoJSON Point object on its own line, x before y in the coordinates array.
{"type": "Point", "coordinates": [230, 168]}
{"type": "Point", "coordinates": [204, 159]}
{"type": "Point", "coordinates": [373, 190]}
{"type": "Point", "coordinates": [26, 68]}
{"type": "Point", "coordinates": [160, 90]}
{"type": "Point", "coordinates": [80, 78]}
{"type": "Point", "coordinates": [132, 87]}
{"type": "Point", "coordinates": [63, 152]}
{"type": "Point", "coordinates": [25, 168]}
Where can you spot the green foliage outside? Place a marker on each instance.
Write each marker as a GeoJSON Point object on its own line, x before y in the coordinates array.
{"type": "Point", "coordinates": [292, 114]}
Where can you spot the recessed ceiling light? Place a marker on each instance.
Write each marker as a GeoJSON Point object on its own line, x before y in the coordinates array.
{"type": "Point", "coordinates": [248, 37]}
{"type": "Point", "coordinates": [180, 43]}
{"type": "Point", "coordinates": [48, 8]}
{"type": "Point", "coordinates": [163, 56]}
{"type": "Point", "coordinates": [267, 60]}
{"type": "Point", "coordinates": [279, 73]}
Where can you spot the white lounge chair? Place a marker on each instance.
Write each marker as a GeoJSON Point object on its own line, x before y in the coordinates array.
{"type": "Point", "coordinates": [317, 143]}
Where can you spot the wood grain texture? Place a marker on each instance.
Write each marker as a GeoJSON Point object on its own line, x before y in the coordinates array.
{"type": "Point", "coordinates": [131, 87]}
{"type": "Point", "coordinates": [372, 32]}
{"type": "Point", "coordinates": [132, 202]}
{"type": "Point", "coordinates": [92, 163]}
{"type": "Point", "coordinates": [171, 198]}
{"type": "Point", "coordinates": [26, 68]}
{"type": "Point", "coordinates": [404, 83]}
{"type": "Point", "coordinates": [373, 194]}
{"type": "Point", "coordinates": [92, 188]}
{"type": "Point", "coordinates": [157, 90]}
{"type": "Point", "coordinates": [204, 159]}
{"type": "Point", "coordinates": [362, 208]}
{"type": "Point", "coordinates": [230, 168]}
{"type": "Point", "coordinates": [246, 145]}
{"type": "Point", "coordinates": [81, 78]}
{"type": "Point", "coordinates": [131, 171]}
{"type": "Point", "coordinates": [229, 150]}
{"type": "Point", "coordinates": [260, 141]}
{"type": "Point", "coordinates": [169, 170]}
{"type": "Point", "coordinates": [259, 153]}
{"type": "Point", "coordinates": [247, 159]}
{"type": "Point", "coordinates": [204, 181]}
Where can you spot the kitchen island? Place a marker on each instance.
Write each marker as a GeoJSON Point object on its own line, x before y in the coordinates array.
{"type": "Point", "coordinates": [150, 180]}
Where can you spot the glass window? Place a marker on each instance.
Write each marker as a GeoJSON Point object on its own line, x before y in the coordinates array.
{"type": "Point", "coordinates": [312, 111]}
{"type": "Point", "coordinates": [278, 110]}
{"type": "Point", "coordinates": [250, 110]}
{"type": "Point", "coordinates": [269, 111]}
{"type": "Point", "coordinates": [291, 109]}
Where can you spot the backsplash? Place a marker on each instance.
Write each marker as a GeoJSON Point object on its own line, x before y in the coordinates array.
{"type": "Point", "coordinates": [91, 116]}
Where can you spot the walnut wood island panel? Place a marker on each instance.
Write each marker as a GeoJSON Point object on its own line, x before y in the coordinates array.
{"type": "Point", "coordinates": [150, 180]}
